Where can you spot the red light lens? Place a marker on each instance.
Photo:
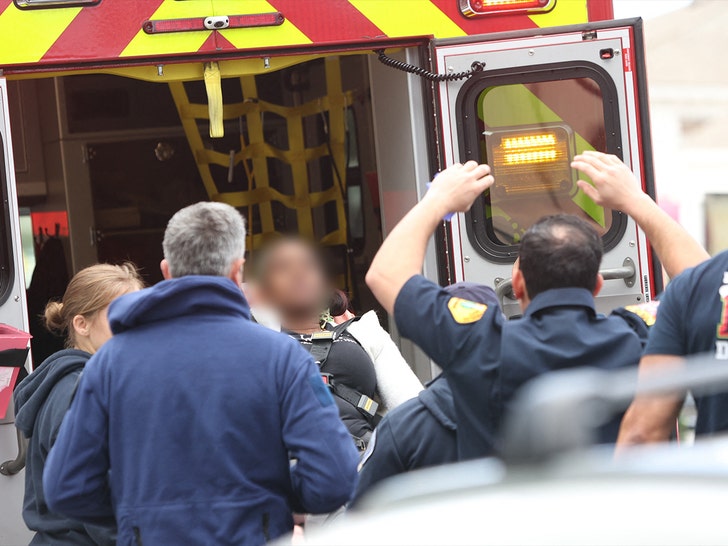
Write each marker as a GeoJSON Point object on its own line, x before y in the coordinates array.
{"type": "Point", "coordinates": [475, 8]}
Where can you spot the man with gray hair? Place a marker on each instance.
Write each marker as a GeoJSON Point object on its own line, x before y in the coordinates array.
{"type": "Point", "coordinates": [194, 425]}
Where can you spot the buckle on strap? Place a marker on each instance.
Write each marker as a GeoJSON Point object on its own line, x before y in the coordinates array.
{"type": "Point", "coordinates": [367, 405]}
{"type": "Point", "coordinates": [328, 379]}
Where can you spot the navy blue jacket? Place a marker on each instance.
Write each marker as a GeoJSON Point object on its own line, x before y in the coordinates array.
{"type": "Point", "coordinates": [198, 426]}
{"type": "Point", "coordinates": [41, 401]}
{"type": "Point", "coordinates": [487, 358]}
{"type": "Point", "coordinates": [419, 433]}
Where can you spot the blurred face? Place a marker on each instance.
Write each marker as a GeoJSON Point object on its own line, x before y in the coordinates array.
{"type": "Point", "coordinates": [294, 283]}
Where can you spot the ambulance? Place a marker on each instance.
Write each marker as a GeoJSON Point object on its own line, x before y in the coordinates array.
{"type": "Point", "coordinates": [325, 118]}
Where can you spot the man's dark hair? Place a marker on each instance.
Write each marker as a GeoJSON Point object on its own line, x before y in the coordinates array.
{"type": "Point", "coordinates": [561, 251]}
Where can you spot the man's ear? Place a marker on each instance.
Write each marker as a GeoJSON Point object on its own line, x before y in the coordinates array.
{"type": "Point", "coordinates": [519, 285]}
{"type": "Point", "coordinates": [164, 266]}
{"type": "Point", "coordinates": [236, 272]}
{"type": "Point", "coordinates": [80, 325]}
{"type": "Point", "coordinates": [599, 284]}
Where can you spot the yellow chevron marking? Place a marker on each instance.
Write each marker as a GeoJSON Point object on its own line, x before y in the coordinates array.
{"type": "Point", "coordinates": [408, 18]}
{"type": "Point", "coordinates": [244, 38]}
{"type": "Point", "coordinates": [174, 42]}
{"type": "Point", "coordinates": [28, 34]}
{"type": "Point", "coordinates": [566, 12]}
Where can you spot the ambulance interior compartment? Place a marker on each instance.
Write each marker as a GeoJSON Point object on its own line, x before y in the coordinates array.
{"type": "Point", "coordinates": [337, 148]}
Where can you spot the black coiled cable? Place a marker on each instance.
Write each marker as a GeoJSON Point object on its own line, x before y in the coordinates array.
{"type": "Point", "coordinates": [476, 67]}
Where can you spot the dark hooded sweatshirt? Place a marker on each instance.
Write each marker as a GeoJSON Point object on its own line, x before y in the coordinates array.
{"type": "Point", "coordinates": [421, 432]}
{"type": "Point", "coordinates": [41, 401]}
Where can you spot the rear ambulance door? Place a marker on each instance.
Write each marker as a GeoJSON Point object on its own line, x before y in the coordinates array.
{"type": "Point", "coordinates": [12, 312]}
{"type": "Point", "coordinates": [543, 97]}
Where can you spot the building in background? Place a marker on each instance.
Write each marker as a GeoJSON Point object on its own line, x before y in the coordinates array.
{"type": "Point", "coordinates": [688, 82]}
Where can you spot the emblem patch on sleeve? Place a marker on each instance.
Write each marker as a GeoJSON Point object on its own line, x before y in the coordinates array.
{"type": "Point", "coordinates": [646, 311]}
{"type": "Point", "coordinates": [466, 311]}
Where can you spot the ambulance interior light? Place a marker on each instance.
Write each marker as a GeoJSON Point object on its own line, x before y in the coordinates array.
{"type": "Point", "coordinates": [527, 161]}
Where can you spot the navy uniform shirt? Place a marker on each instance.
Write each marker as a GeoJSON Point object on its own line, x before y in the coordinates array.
{"type": "Point", "coordinates": [487, 357]}
{"type": "Point", "coordinates": [693, 319]}
{"type": "Point", "coordinates": [416, 434]}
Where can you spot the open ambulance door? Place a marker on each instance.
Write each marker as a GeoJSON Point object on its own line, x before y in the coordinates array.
{"type": "Point", "coordinates": [542, 97]}
{"type": "Point", "coordinates": [12, 312]}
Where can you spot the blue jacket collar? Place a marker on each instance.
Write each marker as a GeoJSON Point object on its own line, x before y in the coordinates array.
{"type": "Point", "coordinates": [561, 297]}
{"type": "Point", "coordinates": [185, 296]}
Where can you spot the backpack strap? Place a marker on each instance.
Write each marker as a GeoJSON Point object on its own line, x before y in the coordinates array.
{"type": "Point", "coordinates": [362, 402]}
{"type": "Point", "coordinates": [321, 342]}
{"type": "Point", "coordinates": [320, 345]}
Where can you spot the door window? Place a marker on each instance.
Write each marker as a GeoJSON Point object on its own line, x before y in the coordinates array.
{"type": "Point", "coordinates": [528, 128]}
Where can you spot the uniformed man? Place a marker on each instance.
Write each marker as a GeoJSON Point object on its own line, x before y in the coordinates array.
{"type": "Point", "coordinates": [693, 319]}
{"type": "Point", "coordinates": [421, 432]}
{"type": "Point", "coordinates": [486, 358]}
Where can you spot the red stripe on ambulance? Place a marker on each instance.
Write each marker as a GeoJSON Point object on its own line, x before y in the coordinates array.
{"type": "Point", "coordinates": [327, 21]}
{"type": "Point", "coordinates": [102, 33]}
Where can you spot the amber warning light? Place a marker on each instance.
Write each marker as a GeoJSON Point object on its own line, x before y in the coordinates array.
{"type": "Point", "coordinates": [477, 8]}
{"type": "Point", "coordinates": [528, 162]}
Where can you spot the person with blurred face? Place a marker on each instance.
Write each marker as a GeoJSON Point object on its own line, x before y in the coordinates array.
{"type": "Point", "coordinates": [194, 425]}
{"type": "Point", "coordinates": [357, 358]}
{"type": "Point", "coordinates": [42, 399]}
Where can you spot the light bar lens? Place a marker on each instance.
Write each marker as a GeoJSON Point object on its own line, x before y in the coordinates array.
{"type": "Point", "coordinates": [531, 149]}
{"type": "Point", "coordinates": [531, 161]}
{"type": "Point", "coordinates": [475, 8]}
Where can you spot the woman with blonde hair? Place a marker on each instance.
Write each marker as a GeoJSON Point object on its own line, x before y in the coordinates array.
{"type": "Point", "coordinates": [41, 399]}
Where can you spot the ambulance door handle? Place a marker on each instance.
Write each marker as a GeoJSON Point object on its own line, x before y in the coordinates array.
{"type": "Point", "coordinates": [627, 273]}
{"type": "Point", "coordinates": [503, 290]}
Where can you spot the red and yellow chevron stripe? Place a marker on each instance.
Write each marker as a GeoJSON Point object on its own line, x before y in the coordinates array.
{"type": "Point", "coordinates": [111, 31]}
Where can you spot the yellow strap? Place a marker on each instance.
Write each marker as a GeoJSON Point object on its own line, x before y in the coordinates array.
{"type": "Point", "coordinates": [235, 110]}
{"type": "Point", "coordinates": [213, 86]}
{"type": "Point", "coordinates": [194, 138]}
{"type": "Point", "coordinates": [256, 137]}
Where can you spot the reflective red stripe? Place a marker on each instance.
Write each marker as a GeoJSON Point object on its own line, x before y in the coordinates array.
{"type": "Point", "coordinates": [104, 30]}
{"type": "Point", "coordinates": [328, 20]}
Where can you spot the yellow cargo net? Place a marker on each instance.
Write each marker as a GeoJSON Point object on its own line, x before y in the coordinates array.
{"type": "Point", "coordinates": [261, 191]}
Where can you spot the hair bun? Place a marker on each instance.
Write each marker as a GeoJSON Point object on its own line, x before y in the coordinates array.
{"type": "Point", "coordinates": [339, 303]}
{"type": "Point", "coordinates": [53, 317]}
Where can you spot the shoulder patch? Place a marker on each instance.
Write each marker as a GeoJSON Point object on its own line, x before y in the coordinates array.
{"type": "Point", "coordinates": [466, 311]}
{"type": "Point", "coordinates": [646, 311]}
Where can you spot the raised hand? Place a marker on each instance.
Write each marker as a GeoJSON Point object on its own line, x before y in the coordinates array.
{"type": "Point", "coordinates": [615, 186]}
{"type": "Point", "coordinates": [456, 188]}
